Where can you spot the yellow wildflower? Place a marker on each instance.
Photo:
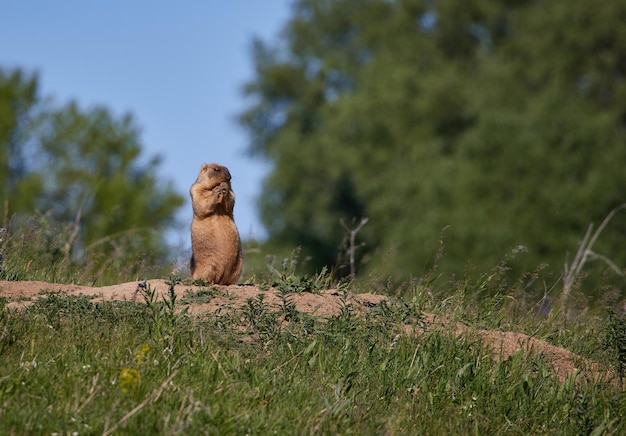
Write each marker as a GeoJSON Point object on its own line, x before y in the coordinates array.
{"type": "Point", "coordinates": [141, 353]}
{"type": "Point", "coordinates": [129, 379]}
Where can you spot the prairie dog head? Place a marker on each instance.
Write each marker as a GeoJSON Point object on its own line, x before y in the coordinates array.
{"type": "Point", "coordinates": [213, 174]}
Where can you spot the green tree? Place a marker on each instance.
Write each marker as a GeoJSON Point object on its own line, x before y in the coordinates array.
{"type": "Point", "coordinates": [19, 116]}
{"type": "Point", "coordinates": [80, 172]}
{"type": "Point", "coordinates": [502, 122]}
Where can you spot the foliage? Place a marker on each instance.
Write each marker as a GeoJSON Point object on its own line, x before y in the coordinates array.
{"type": "Point", "coordinates": [502, 122]}
{"type": "Point", "coordinates": [614, 342]}
{"type": "Point", "coordinates": [18, 118]}
{"type": "Point", "coordinates": [286, 280]}
{"type": "Point", "coordinates": [78, 175]}
{"type": "Point", "coordinates": [167, 324]}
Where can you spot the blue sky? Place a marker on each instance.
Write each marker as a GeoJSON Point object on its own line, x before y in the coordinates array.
{"type": "Point", "coordinates": [178, 67]}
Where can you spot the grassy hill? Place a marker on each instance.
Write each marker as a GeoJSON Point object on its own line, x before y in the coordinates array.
{"type": "Point", "coordinates": [71, 363]}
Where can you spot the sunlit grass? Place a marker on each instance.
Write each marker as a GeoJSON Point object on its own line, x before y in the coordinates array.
{"type": "Point", "coordinates": [37, 248]}
{"type": "Point", "coordinates": [71, 365]}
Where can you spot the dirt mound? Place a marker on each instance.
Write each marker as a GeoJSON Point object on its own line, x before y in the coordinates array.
{"type": "Point", "coordinates": [325, 304]}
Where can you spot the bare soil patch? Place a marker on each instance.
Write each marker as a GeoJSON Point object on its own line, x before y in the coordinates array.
{"type": "Point", "coordinates": [324, 304]}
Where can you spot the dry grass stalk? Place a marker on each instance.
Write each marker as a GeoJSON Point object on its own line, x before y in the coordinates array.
{"type": "Point", "coordinates": [571, 272]}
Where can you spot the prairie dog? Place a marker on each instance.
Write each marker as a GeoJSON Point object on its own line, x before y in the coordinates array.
{"type": "Point", "coordinates": [215, 243]}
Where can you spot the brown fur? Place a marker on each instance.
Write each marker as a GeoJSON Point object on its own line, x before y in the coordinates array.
{"type": "Point", "coordinates": [215, 243]}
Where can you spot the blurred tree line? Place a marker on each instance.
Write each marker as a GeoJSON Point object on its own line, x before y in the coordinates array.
{"type": "Point", "coordinates": [497, 125]}
{"type": "Point", "coordinates": [74, 193]}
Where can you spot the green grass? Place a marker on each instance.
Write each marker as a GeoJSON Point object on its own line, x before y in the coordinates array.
{"type": "Point", "coordinates": [68, 364]}
{"type": "Point", "coordinates": [38, 248]}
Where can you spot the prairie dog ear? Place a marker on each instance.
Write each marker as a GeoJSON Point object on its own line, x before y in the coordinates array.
{"type": "Point", "coordinates": [204, 166]}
